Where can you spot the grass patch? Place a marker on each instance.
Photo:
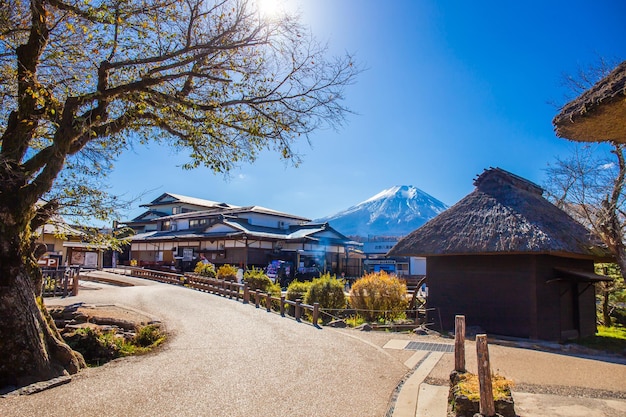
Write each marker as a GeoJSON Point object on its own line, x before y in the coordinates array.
{"type": "Point", "coordinates": [609, 339]}
{"type": "Point", "coordinates": [99, 347]}
{"type": "Point", "coordinates": [355, 321]}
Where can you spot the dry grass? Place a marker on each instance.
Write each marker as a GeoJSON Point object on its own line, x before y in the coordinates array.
{"type": "Point", "coordinates": [468, 385]}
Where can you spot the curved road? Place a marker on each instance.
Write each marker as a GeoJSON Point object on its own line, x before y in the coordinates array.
{"type": "Point", "coordinates": [223, 358]}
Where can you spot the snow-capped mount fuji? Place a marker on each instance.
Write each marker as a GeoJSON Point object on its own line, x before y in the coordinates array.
{"type": "Point", "coordinates": [396, 211]}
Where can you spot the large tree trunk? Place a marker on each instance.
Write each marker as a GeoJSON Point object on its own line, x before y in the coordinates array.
{"type": "Point", "coordinates": [31, 348]}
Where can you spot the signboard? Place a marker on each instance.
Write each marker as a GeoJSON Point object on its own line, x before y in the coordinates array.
{"type": "Point", "coordinates": [187, 254]}
{"type": "Point", "coordinates": [91, 259]}
{"type": "Point", "coordinates": [48, 262]}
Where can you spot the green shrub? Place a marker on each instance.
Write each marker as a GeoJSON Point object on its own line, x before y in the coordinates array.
{"type": "Point", "coordinates": [148, 336]}
{"type": "Point", "coordinates": [227, 272]}
{"type": "Point", "coordinates": [257, 280]}
{"type": "Point", "coordinates": [296, 290]}
{"type": "Point", "coordinates": [328, 292]}
{"type": "Point", "coordinates": [205, 269]}
{"type": "Point", "coordinates": [98, 347]}
{"type": "Point", "coordinates": [379, 296]}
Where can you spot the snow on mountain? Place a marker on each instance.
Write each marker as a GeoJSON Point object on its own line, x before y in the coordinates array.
{"type": "Point", "coordinates": [396, 211]}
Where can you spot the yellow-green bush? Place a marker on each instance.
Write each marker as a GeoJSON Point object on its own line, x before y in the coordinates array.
{"type": "Point", "coordinates": [227, 272]}
{"type": "Point", "coordinates": [326, 290]}
{"type": "Point", "coordinates": [205, 269]}
{"type": "Point", "coordinates": [257, 280]}
{"type": "Point", "coordinates": [297, 289]}
{"type": "Point", "coordinates": [379, 296]}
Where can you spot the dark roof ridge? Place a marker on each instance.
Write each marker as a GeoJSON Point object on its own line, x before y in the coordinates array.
{"type": "Point", "coordinates": [498, 176]}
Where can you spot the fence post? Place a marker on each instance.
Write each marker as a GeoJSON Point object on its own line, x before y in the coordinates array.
{"type": "Point", "coordinates": [257, 296]}
{"type": "Point", "coordinates": [282, 306]}
{"type": "Point", "coordinates": [316, 313]}
{"type": "Point", "coordinates": [268, 302]}
{"type": "Point", "coordinates": [459, 343]}
{"type": "Point", "coordinates": [66, 280]}
{"type": "Point", "coordinates": [298, 309]}
{"type": "Point", "coordinates": [246, 294]}
{"type": "Point", "coordinates": [75, 283]}
{"type": "Point", "coordinates": [487, 406]}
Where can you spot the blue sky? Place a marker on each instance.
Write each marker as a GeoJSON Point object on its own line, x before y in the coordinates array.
{"type": "Point", "coordinates": [451, 88]}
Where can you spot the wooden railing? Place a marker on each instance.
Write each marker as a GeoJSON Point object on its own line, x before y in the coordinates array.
{"type": "Point", "coordinates": [238, 291]}
{"type": "Point", "coordinates": [165, 277]}
{"type": "Point", "coordinates": [232, 290]}
{"type": "Point", "coordinates": [59, 282]}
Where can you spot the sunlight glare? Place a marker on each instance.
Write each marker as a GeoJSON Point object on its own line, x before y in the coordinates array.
{"type": "Point", "coordinates": [270, 8]}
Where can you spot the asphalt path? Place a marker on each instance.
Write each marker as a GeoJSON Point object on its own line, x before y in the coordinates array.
{"type": "Point", "coordinates": [223, 358]}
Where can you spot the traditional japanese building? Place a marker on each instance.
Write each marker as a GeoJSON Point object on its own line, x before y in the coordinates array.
{"type": "Point", "coordinates": [241, 236]}
{"type": "Point", "coordinates": [510, 261]}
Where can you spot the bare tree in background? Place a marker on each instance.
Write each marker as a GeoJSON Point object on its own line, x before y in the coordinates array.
{"type": "Point", "coordinates": [589, 183]}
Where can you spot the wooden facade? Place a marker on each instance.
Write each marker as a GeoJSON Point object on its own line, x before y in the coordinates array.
{"type": "Point", "coordinates": [510, 261]}
{"type": "Point", "coordinates": [514, 295]}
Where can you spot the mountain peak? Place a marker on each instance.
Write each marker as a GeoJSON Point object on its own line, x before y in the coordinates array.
{"type": "Point", "coordinates": [397, 191]}
{"type": "Point", "coordinates": [395, 211]}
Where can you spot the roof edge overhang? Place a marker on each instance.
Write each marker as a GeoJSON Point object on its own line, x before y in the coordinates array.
{"type": "Point", "coordinates": [595, 258]}
{"type": "Point", "coordinates": [564, 274]}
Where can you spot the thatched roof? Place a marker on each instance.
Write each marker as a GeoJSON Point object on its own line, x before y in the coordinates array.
{"type": "Point", "coordinates": [504, 214]}
{"type": "Point", "coordinates": [599, 114]}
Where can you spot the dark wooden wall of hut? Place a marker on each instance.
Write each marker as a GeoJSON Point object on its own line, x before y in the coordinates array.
{"type": "Point", "coordinates": [512, 295]}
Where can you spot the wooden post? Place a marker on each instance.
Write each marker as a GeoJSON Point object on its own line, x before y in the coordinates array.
{"type": "Point", "coordinates": [66, 280]}
{"type": "Point", "coordinates": [75, 284]}
{"type": "Point", "coordinates": [268, 302]}
{"type": "Point", "coordinates": [487, 406]}
{"type": "Point", "coordinates": [246, 294]}
{"type": "Point", "coordinates": [316, 313]}
{"type": "Point", "coordinates": [257, 298]}
{"type": "Point", "coordinates": [298, 309]}
{"type": "Point", "coordinates": [282, 306]}
{"type": "Point", "coordinates": [459, 343]}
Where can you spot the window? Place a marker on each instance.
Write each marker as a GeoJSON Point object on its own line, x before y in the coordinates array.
{"type": "Point", "coordinates": [198, 223]}
{"type": "Point", "coordinates": [177, 210]}
{"type": "Point", "coordinates": [165, 225]}
{"type": "Point", "coordinates": [50, 247]}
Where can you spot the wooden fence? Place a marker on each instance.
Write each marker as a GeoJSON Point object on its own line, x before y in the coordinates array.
{"type": "Point", "coordinates": [232, 290]}
{"type": "Point", "coordinates": [59, 282]}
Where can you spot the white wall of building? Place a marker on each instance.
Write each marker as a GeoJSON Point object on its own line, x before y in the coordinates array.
{"type": "Point", "coordinates": [418, 266]}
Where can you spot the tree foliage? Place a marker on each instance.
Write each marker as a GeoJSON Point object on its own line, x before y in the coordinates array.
{"type": "Point", "coordinates": [82, 81]}
{"type": "Point", "coordinates": [611, 294]}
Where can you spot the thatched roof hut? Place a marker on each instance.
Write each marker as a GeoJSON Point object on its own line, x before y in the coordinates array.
{"type": "Point", "coordinates": [504, 214]}
{"type": "Point", "coordinates": [510, 261]}
{"type": "Point", "coordinates": [599, 114]}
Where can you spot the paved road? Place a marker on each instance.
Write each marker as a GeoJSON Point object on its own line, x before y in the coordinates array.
{"type": "Point", "coordinates": [223, 358]}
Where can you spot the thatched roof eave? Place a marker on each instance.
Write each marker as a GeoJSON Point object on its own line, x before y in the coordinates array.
{"type": "Point", "coordinates": [599, 114]}
{"type": "Point", "coordinates": [600, 257]}
{"type": "Point", "coordinates": [502, 216]}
